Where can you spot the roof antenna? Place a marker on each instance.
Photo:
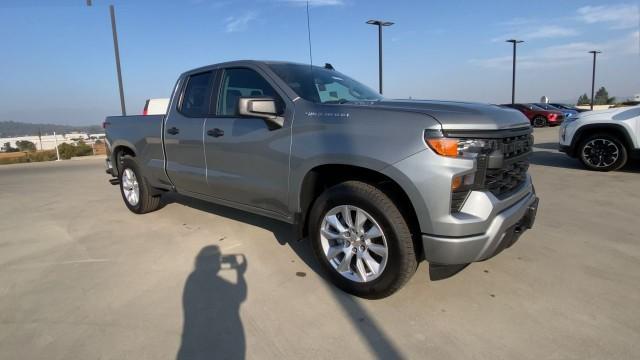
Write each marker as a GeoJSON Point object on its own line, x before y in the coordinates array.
{"type": "Point", "coordinates": [309, 35]}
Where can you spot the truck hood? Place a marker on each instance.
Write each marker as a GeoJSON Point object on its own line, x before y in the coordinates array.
{"type": "Point", "coordinates": [460, 115]}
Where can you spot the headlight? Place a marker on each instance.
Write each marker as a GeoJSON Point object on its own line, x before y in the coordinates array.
{"type": "Point", "coordinates": [454, 147]}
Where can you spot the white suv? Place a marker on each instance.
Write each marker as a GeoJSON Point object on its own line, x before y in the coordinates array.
{"type": "Point", "coordinates": [603, 140]}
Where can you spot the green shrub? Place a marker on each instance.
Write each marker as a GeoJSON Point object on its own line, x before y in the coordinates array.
{"type": "Point", "coordinates": [67, 151]}
{"type": "Point", "coordinates": [25, 145]}
{"type": "Point", "coordinates": [83, 149]}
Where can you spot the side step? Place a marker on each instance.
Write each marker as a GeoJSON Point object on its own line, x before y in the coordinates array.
{"type": "Point", "coordinates": [114, 181]}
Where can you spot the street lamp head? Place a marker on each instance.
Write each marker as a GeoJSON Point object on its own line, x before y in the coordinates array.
{"type": "Point", "coordinates": [88, 2]}
{"type": "Point", "coordinates": [595, 52]}
{"type": "Point", "coordinates": [514, 41]}
{"type": "Point", "coordinates": [380, 22]}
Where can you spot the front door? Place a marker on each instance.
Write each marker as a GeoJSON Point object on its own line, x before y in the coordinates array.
{"type": "Point", "coordinates": [247, 158]}
{"type": "Point", "coordinates": [183, 134]}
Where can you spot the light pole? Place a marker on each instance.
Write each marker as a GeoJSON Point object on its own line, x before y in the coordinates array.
{"type": "Point", "coordinates": [593, 76]}
{"type": "Point", "coordinates": [380, 24]}
{"type": "Point", "coordinates": [513, 78]}
{"type": "Point", "coordinates": [55, 138]}
{"type": "Point", "coordinates": [116, 50]}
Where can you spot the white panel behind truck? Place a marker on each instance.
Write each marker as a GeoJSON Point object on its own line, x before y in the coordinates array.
{"type": "Point", "coordinates": [155, 107]}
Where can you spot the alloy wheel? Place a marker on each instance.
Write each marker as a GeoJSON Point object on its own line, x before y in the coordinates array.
{"type": "Point", "coordinates": [130, 187]}
{"type": "Point", "coordinates": [354, 243]}
{"type": "Point", "coordinates": [600, 153]}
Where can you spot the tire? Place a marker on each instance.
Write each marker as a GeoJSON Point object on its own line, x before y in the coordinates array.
{"type": "Point", "coordinates": [364, 200]}
{"type": "Point", "coordinates": [602, 152]}
{"type": "Point", "coordinates": [132, 181]}
{"type": "Point", "coordinates": [539, 121]}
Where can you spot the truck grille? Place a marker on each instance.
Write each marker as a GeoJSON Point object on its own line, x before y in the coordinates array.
{"type": "Point", "coordinates": [503, 181]}
{"type": "Point", "coordinates": [516, 145]}
{"type": "Point", "coordinates": [502, 176]}
{"type": "Point", "coordinates": [512, 173]}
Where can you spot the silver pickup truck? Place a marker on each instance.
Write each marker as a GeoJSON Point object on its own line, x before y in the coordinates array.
{"type": "Point", "coordinates": [375, 185]}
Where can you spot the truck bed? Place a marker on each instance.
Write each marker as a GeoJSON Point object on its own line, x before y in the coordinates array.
{"type": "Point", "coordinates": [143, 135]}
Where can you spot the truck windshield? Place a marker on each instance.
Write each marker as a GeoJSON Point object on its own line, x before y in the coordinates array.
{"type": "Point", "coordinates": [322, 85]}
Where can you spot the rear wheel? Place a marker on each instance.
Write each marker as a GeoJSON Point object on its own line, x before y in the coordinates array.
{"type": "Point", "coordinates": [539, 121]}
{"type": "Point", "coordinates": [602, 152]}
{"type": "Point", "coordinates": [361, 240]}
{"type": "Point", "coordinates": [135, 190]}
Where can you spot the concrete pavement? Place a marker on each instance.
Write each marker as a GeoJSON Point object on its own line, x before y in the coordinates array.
{"type": "Point", "coordinates": [81, 277]}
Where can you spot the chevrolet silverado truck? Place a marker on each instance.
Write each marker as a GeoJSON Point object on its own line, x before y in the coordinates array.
{"type": "Point", "coordinates": [375, 185]}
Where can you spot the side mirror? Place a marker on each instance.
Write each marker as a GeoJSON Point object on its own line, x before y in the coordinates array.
{"type": "Point", "coordinates": [260, 107]}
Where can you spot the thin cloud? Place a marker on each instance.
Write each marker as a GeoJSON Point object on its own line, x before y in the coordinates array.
{"type": "Point", "coordinates": [620, 16]}
{"type": "Point", "coordinates": [540, 32]}
{"type": "Point", "coordinates": [565, 54]}
{"type": "Point", "coordinates": [239, 23]}
{"type": "Point", "coordinates": [315, 2]}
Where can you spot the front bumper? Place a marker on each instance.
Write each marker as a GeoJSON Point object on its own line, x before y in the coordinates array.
{"type": "Point", "coordinates": [504, 230]}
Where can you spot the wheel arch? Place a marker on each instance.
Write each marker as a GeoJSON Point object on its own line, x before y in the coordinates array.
{"type": "Point", "coordinates": [118, 151]}
{"type": "Point", "coordinates": [324, 176]}
{"type": "Point", "coordinates": [616, 130]}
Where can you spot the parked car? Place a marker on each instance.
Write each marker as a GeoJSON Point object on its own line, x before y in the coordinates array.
{"type": "Point", "coordinates": [603, 140]}
{"type": "Point", "coordinates": [377, 185]}
{"type": "Point", "coordinates": [567, 107]}
{"type": "Point", "coordinates": [567, 112]}
{"type": "Point", "coordinates": [538, 116]}
{"type": "Point", "coordinates": [155, 107]}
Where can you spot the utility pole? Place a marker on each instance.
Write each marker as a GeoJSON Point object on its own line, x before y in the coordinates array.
{"type": "Point", "coordinates": [593, 76]}
{"type": "Point", "coordinates": [513, 78]}
{"type": "Point", "coordinates": [116, 50]}
{"type": "Point", "coordinates": [380, 24]}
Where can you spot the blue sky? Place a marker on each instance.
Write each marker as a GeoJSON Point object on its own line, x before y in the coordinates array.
{"type": "Point", "coordinates": [57, 55]}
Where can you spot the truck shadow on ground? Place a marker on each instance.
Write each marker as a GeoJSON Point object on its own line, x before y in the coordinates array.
{"type": "Point", "coordinates": [548, 157]}
{"type": "Point", "coordinates": [367, 326]}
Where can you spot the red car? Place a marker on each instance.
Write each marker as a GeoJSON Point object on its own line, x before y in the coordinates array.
{"type": "Point", "coordinates": [538, 116]}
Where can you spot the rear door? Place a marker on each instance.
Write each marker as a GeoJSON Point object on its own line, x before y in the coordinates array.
{"type": "Point", "coordinates": [184, 131]}
{"type": "Point", "coordinates": [248, 158]}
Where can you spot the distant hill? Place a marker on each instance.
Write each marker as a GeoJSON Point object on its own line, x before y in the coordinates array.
{"type": "Point", "coordinates": [13, 129]}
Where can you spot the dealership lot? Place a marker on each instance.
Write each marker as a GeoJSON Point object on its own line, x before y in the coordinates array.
{"type": "Point", "coordinates": [82, 277]}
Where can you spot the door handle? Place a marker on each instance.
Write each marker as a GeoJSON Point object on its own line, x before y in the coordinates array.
{"type": "Point", "coordinates": [173, 131]}
{"type": "Point", "coordinates": [215, 132]}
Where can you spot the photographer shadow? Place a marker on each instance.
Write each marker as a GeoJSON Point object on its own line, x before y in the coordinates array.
{"type": "Point", "coordinates": [212, 327]}
{"type": "Point", "coordinates": [365, 323]}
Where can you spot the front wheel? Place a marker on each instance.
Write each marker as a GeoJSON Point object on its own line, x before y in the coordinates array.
{"type": "Point", "coordinates": [602, 152]}
{"type": "Point", "coordinates": [361, 240]}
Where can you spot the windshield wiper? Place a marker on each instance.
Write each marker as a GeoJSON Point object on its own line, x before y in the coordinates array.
{"type": "Point", "coordinates": [340, 101]}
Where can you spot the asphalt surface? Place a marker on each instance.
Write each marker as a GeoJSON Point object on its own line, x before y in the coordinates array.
{"type": "Point", "coordinates": [83, 278]}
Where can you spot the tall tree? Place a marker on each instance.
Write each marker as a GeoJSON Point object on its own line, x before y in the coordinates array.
{"type": "Point", "coordinates": [583, 100]}
{"type": "Point", "coordinates": [6, 147]}
{"type": "Point", "coordinates": [602, 97]}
